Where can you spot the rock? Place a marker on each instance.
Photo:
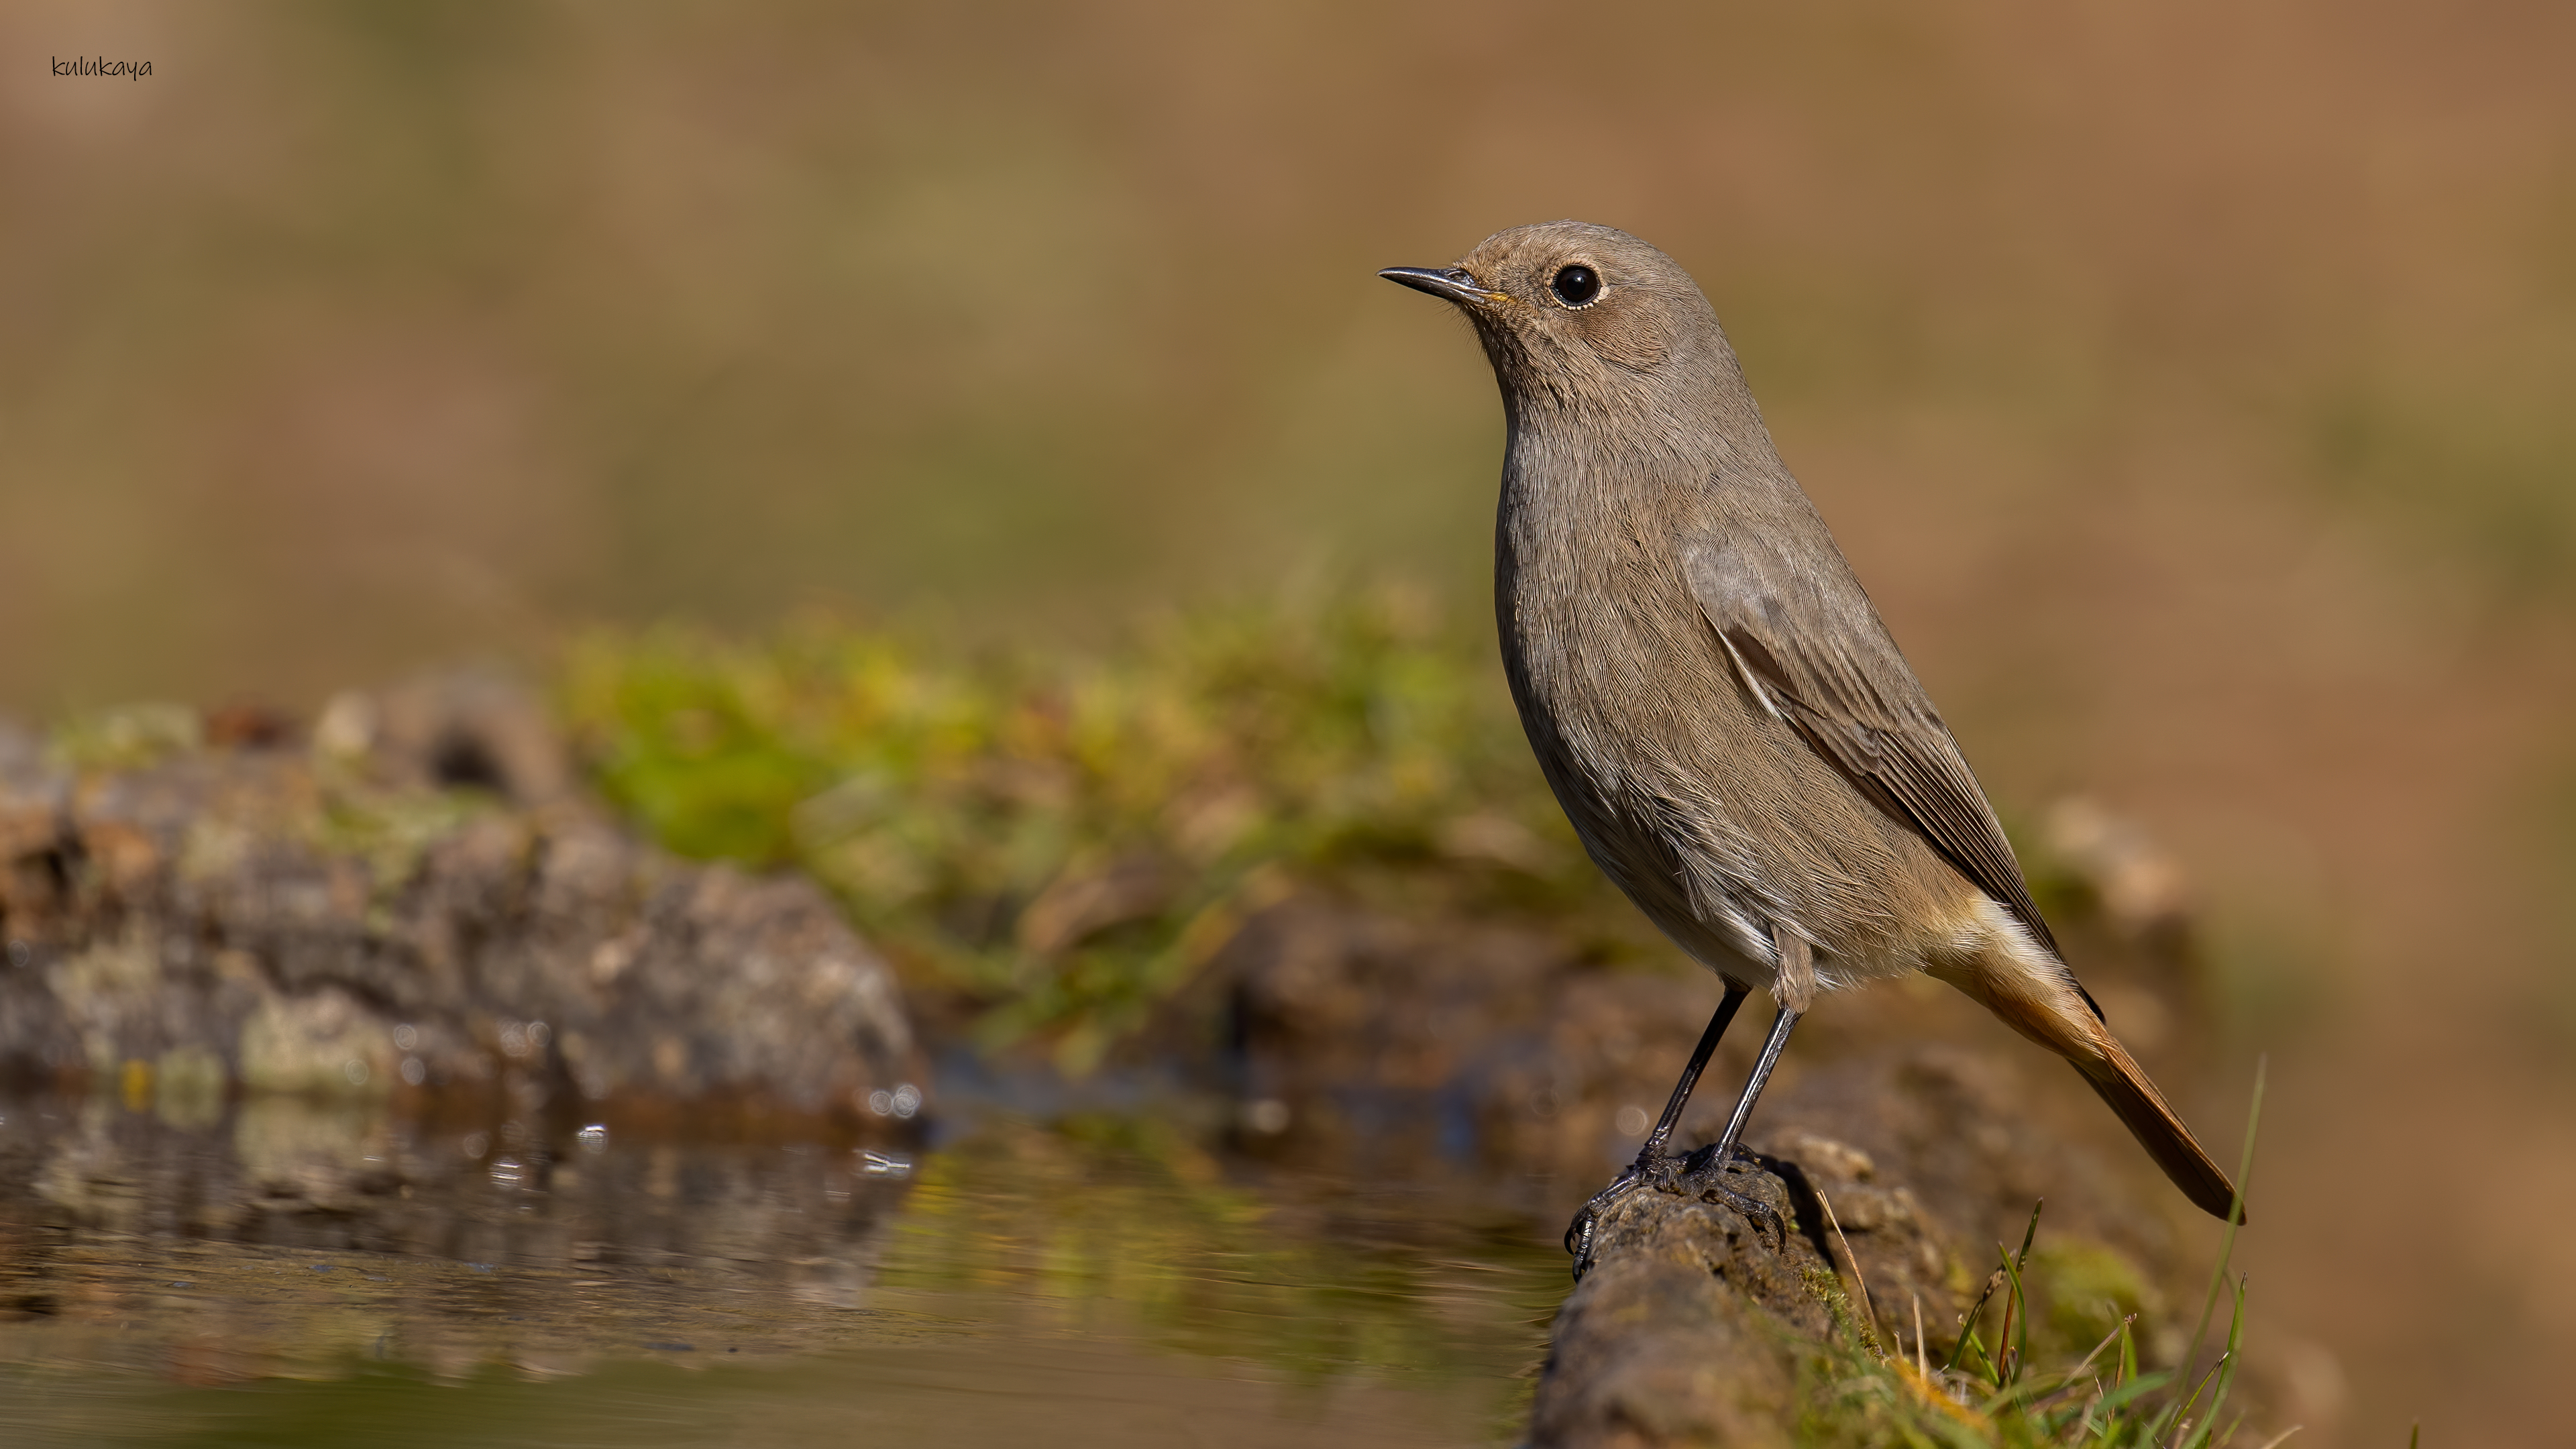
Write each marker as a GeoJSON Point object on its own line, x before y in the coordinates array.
{"type": "Point", "coordinates": [420, 903]}
{"type": "Point", "coordinates": [1689, 1325]}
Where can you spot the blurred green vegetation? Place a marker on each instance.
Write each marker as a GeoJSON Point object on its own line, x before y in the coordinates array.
{"type": "Point", "coordinates": [1061, 842]}
{"type": "Point", "coordinates": [2081, 1292]}
{"type": "Point", "coordinates": [130, 737]}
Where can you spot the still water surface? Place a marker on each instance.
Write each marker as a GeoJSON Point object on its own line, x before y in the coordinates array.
{"type": "Point", "coordinates": [289, 1274]}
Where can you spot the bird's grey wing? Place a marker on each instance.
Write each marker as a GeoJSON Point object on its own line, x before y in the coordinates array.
{"type": "Point", "coordinates": [1814, 653]}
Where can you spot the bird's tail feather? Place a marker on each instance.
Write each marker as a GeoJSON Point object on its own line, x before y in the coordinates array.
{"type": "Point", "coordinates": [2159, 1129]}
{"type": "Point", "coordinates": [2043, 1003]}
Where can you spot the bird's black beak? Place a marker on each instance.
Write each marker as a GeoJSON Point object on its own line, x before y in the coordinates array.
{"type": "Point", "coordinates": [1452, 284]}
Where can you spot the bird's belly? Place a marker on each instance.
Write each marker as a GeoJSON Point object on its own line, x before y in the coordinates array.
{"type": "Point", "coordinates": [1717, 821]}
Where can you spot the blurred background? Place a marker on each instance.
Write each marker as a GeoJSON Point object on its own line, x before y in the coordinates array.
{"type": "Point", "coordinates": [2191, 385]}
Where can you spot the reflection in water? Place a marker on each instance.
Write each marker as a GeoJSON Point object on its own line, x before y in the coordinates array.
{"type": "Point", "coordinates": [288, 1272]}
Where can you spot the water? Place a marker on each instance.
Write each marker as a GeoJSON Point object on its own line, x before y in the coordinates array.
{"type": "Point", "coordinates": [285, 1273]}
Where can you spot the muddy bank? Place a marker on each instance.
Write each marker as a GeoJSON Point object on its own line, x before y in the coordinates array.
{"type": "Point", "coordinates": [1906, 1137]}
{"type": "Point", "coordinates": [1370, 1041]}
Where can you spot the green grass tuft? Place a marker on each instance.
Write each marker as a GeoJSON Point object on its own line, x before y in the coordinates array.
{"type": "Point", "coordinates": [1988, 1395]}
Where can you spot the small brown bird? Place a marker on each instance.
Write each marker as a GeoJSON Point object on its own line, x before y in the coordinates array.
{"type": "Point", "coordinates": [1715, 702]}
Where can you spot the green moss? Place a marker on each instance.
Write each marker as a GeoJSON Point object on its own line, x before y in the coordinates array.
{"type": "Point", "coordinates": [131, 737]}
{"type": "Point", "coordinates": [1064, 843]}
{"type": "Point", "coordinates": [2082, 1292]}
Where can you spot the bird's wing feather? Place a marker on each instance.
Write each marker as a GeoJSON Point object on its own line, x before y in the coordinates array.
{"type": "Point", "coordinates": [1838, 680]}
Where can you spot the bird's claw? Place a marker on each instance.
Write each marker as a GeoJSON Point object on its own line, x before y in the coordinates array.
{"type": "Point", "coordinates": [1650, 1170]}
{"type": "Point", "coordinates": [1700, 1175]}
{"type": "Point", "coordinates": [1702, 1172]}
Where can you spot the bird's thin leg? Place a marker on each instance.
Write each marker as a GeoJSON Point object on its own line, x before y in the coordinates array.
{"type": "Point", "coordinates": [1718, 1156]}
{"type": "Point", "coordinates": [1781, 1025]}
{"type": "Point", "coordinates": [1652, 1163]}
{"type": "Point", "coordinates": [1717, 1024]}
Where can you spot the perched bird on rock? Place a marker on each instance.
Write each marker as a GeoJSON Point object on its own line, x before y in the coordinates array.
{"type": "Point", "coordinates": [1715, 702]}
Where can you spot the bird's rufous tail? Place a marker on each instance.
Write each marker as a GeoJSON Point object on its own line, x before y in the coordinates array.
{"type": "Point", "coordinates": [2158, 1128]}
{"type": "Point", "coordinates": [2057, 1017]}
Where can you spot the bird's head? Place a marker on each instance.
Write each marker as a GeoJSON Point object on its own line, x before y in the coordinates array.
{"type": "Point", "coordinates": [1581, 317]}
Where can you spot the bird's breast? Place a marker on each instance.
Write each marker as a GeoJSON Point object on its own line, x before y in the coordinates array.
{"type": "Point", "coordinates": [1708, 812]}
{"type": "Point", "coordinates": [1637, 725]}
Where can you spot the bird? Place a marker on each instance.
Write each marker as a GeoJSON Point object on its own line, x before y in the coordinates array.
{"type": "Point", "coordinates": [1718, 707]}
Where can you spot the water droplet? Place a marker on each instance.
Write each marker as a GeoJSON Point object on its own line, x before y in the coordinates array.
{"type": "Point", "coordinates": [414, 1070]}
{"type": "Point", "coordinates": [881, 1101]}
{"type": "Point", "coordinates": [405, 1038]}
{"type": "Point", "coordinates": [355, 1070]}
{"type": "Point", "coordinates": [907, 1099]}
{"type": "Point", "coordinates": [475, 1145]}
{"type": "Point", "coordinates": [593, 1138]}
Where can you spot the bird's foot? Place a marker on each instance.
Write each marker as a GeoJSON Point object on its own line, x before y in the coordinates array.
{"type": "Point", "coordinates": [1652, 1171]}
{"type": "Point", "coordinates": [1703, 1176]}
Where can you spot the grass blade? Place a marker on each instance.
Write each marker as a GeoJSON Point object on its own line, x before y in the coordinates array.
{"type": "Point", "coordinates": [1968, 1324]}
{"type": "Point", "coordinates": [2226, 1241]}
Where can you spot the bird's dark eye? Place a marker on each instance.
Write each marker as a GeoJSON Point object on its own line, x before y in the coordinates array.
{"type": "Point", "coordinates": [1576, 285]}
